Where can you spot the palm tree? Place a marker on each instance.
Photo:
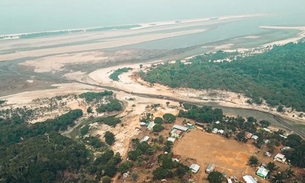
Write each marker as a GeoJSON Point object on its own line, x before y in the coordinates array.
{"type": "Point", "coordinates": [289, 173]}
{"type": "Point", "coordinates": [278, 178]}
{"type": "Point", "coordinates": [271, 167]}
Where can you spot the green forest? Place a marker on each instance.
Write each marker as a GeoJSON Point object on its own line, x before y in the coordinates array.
{"type": "Point", "coordinates": [276, 76]}
{"type": "Point", "coordinates": [40, 153]}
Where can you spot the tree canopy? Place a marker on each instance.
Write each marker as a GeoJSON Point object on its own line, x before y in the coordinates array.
{"type": "Point", "coordinates": [277, 76]}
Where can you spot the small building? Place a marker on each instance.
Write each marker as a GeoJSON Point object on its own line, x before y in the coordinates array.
{"type": "Point", "coordinates": [189, 124]}
{"type": "Point", "coordinates": [220, 131]}
{"type": "Point", "coordinates": [181, 128]}
{"type": "Point", "coordinates": [267, 154]}
{"type": "Point", "coordinates": [262, 172]}
{"type": "Point", "coordinates": [254, 137]}
{"type": "Point", "coordinates": [285, 148]}
{"type": "Point", "coordinates": [283, 136]}
{"type": "Point", "coordinates": [143, 124]}
{"type": "Point", "coordinates": [267, 141]}
{"type": "Point", "coordinates": [194, 168]}
{"type": "Point", "coordinates": [267, 130]}
{"type": "Point", "coordinates": [215, 130]}
{"type": "Point", "coordinates": [249, 179]}
{"type": "Point", "coordinates": [248, 135]}
{"type": "Point", "coordinates": [280, 157]}
{"type": "Point", "coordinates": [217, 122]}
{"type": "Point", "coordinates": [176, 158]}
{"type": "Point", "coordinates": [171, 139]}
{"type": "Point", "coordinates": [144, 139]}
{"type": "Point", "coordinates": [176, 133]}
{"type": "Point", "coordinates": [151, 125]}
{"type": "Point", "coordinates": [210, 168]}
{"type": "Point", "coordinates": [232, 179]}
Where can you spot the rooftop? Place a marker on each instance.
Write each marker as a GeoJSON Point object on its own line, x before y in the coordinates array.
{"type": "Point", "coordinates": [195, 168]}
{"type": "Point", "coordinates": [249, 179]}
{"type": "Point", "coordinates": [262, 172]}
{"type": "Point", "coordinates": [179, 127]}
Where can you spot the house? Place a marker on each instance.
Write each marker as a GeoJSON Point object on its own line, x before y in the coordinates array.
{"type": "Point", "coordinates": [267, 141]}
{"type": "Point", "coordinates": [176, 158]}
{"type": "Point", "coordinates": [210, 168]}
{"type": "Point", "coordinates": [232, 179]}
{"type": "Point", "coordinates": [176, 133]}
{"type": "Point", "coordinates": [267, 154]}
{"type": "Point", "coordinates": [151, 125]}
{"type": "Point", "coordinates": [181, 128]}
{"type": "Point", "coordinates": [220, 131]}
{"type": "Point", "coordinates": [194, 168]}
{"type": "Point", "coordinates": [262, 172]}
{"type": "Point", "coordinates": [283, 136]}
{"type": "Point", "coordinates": [267, 130]}
{"type": "Point", "coordinates": [249, 179]}
{"type": "Point", "coordinates": [254, 137]}
{"type": "Point", "coordinates": [280, 157]}
{"type": "Point", "coordinates": [285, 148]}
{"type": "Point", "coordinates": [144, 139]}
{"type": "Point", "coordinates": [143, 124]}
{"type": "Point", "coordinates": [215, 130]}
{"type": "Point", "coordinates": [171, 139]}
{"type": "Point", "coordinates": [248, 135]}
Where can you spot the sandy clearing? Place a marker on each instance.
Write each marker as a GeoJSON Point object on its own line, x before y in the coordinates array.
{"type": "Point", "coordinates": [61, 89]}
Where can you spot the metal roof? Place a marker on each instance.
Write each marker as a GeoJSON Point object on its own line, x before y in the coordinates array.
{"type": "Point", "coordinates": [179, 127]}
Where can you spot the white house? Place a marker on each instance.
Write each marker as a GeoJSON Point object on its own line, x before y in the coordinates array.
{"type": "Point", "coordinates": [194, 168]}
{"type": "Point", "coordinates": [280, 157]}
{"type": "Point", "coordinates": [144, 139]}
{"type": "Point", "coordinates": [249, 179]}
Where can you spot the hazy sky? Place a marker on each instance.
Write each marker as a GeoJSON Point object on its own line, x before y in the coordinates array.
{"type": "Point", "coordinates": [31, 15]}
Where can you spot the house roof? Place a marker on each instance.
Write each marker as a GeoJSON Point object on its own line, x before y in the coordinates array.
{"type": "Point", "coordinates": [262, 172]}
{"type": "Point", "coordinates": [255, 137]}
{"type": "Point", "coordinates": [176, 156]}
{"type": "Point", "coordinates": [248, 135]}
{"type": "Point", "coordinates": [279, 155]}
{"type": "Point", "coordinates": [150, 125]}
{"type": "Point", "coordinates": [144, 139]}
{"type": "Point", "coordinates": [195, 168]}
{"type": "Point", "coordinates": [249, 179]}
{"type": "Point", "coordinates": [171, 139]}
{"type": "Point", "coordinates": [179, 127]}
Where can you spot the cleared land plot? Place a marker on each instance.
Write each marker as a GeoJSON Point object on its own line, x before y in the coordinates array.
{"type": "Point", "coordinates": [228, 155]}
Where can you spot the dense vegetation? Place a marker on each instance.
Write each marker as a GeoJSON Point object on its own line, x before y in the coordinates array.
{"type": "Point", "coordinates": [90, 96]}
{"type": "Point", "coordinates": [2, 102]}
{"type": "Point", "coordinates": [115, 75]}
{"type": "Point", "coordinates": [277, 76]}
{"type": "Point", "coordinates": [112, 105]}
{"type": "Point", "coordinates": [41, 158]}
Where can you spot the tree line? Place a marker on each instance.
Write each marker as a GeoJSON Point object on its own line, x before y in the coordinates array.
{"type": "Point", "coordinates": [275, 76]}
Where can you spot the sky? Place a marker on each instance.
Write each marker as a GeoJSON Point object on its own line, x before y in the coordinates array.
{"type": "Point", "coordinates": [39, 15]}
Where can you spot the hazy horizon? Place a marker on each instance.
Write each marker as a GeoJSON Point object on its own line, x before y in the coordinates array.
{"type": "Point", "coordinates": [34, 16]}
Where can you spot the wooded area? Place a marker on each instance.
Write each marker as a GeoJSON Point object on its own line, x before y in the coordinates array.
{"type": "Point", "coordinates": [277, 76]}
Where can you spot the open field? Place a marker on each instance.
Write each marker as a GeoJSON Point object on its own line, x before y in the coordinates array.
{"type": "Point", "coordinates": [229, 155]}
